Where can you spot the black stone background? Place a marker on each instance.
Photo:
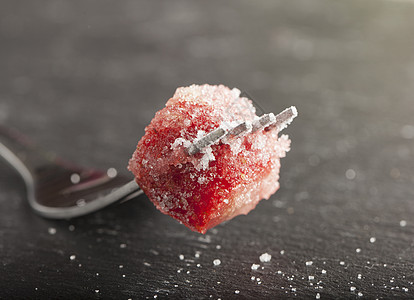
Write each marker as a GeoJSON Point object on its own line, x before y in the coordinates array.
{"type": "Point", "coordinates": [83, 78]}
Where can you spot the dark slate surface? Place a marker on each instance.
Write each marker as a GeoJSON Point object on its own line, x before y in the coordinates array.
{"type": "Point", "coordinates": [83, 78]}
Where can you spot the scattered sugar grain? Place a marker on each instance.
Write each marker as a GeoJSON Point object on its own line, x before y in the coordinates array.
{"type": "Point", "coordinates": [122, 246]}
{"type": "Point", "coordinates": [255, 266]}
{"type": "Point", "coordinates": [372, 240]}
{"type": "Point", "coordinates": [309, 263]}
{"type": "Point", "coordinates": [265, 257]}
{"type": "Point", "coordinates": [342, 263]}
{"type": "Point", "coordinates": [358, 250]}
{"type": "Point", "coordinates": [352, 289]}
{"type": "Point", "coordinates": [323, 271]}
{"type": "Point", "coordinates": [403, 223]}
{"type": "Point", "coordinates": [282, 252]}
{"type": "Point", "coordinates": [216, 262]}
{"type": "Point", "coordinates": [51, 230]}
{"type": "Point", "coordinates": [237, 292]}
{"type": "Point", "coordinates": [318, 296]}
{"type": "Point", "coordinates": [359, 276]}
{"type": "Point", "coordinates": [360, 294]}
{"type": "Point", "coordinates": [218, 247]}
{"type": "Point", "coordinates": [72, 257]}
{"type": "Point", "coordinates": [311, 277]}
{"type": "Point", "coordinates": [181, 257]}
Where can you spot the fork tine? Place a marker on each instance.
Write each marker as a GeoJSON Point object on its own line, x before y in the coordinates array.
{"type": "Point", "coordinates": [263, 121]}
{"type": "Point", "coordinates": [284, 119]}
{"type": "Point", "coordinates": [267, 121]}
{"type": "Point", "coordinates": [241, 128]}
{"type": "Point", "coordinates": [206, 141]}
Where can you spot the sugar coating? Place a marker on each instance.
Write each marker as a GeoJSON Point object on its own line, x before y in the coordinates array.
{"type": "Point", "coordinates": [225, 179]}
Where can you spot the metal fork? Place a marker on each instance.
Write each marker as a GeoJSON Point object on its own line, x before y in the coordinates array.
{"type": "Point", "coordinates": [61, 190]}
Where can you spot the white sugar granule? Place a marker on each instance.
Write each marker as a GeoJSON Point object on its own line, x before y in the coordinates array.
{"type": "Point", "coordinates": [265, 257]}
{"type": "Point", "coordinates": [255, 266]}
{"type": "Point", "coordinates": [216, 262]}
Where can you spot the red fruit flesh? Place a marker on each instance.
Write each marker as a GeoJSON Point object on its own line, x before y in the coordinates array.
{"type": "Point", "coordinates": [226, 179]}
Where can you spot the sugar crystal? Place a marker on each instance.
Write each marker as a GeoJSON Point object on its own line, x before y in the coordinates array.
{"type": "Point", "coordinates": [265, 257]}
{"type": "Point", "coordinates": [216, 262]}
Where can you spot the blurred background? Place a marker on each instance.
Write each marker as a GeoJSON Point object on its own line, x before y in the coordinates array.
{"type": "Point", "coordinates": [84, 78]}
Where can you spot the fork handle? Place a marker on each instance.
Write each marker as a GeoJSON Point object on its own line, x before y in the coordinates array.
{"type": "Point", "coordinates": [21, 153]}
